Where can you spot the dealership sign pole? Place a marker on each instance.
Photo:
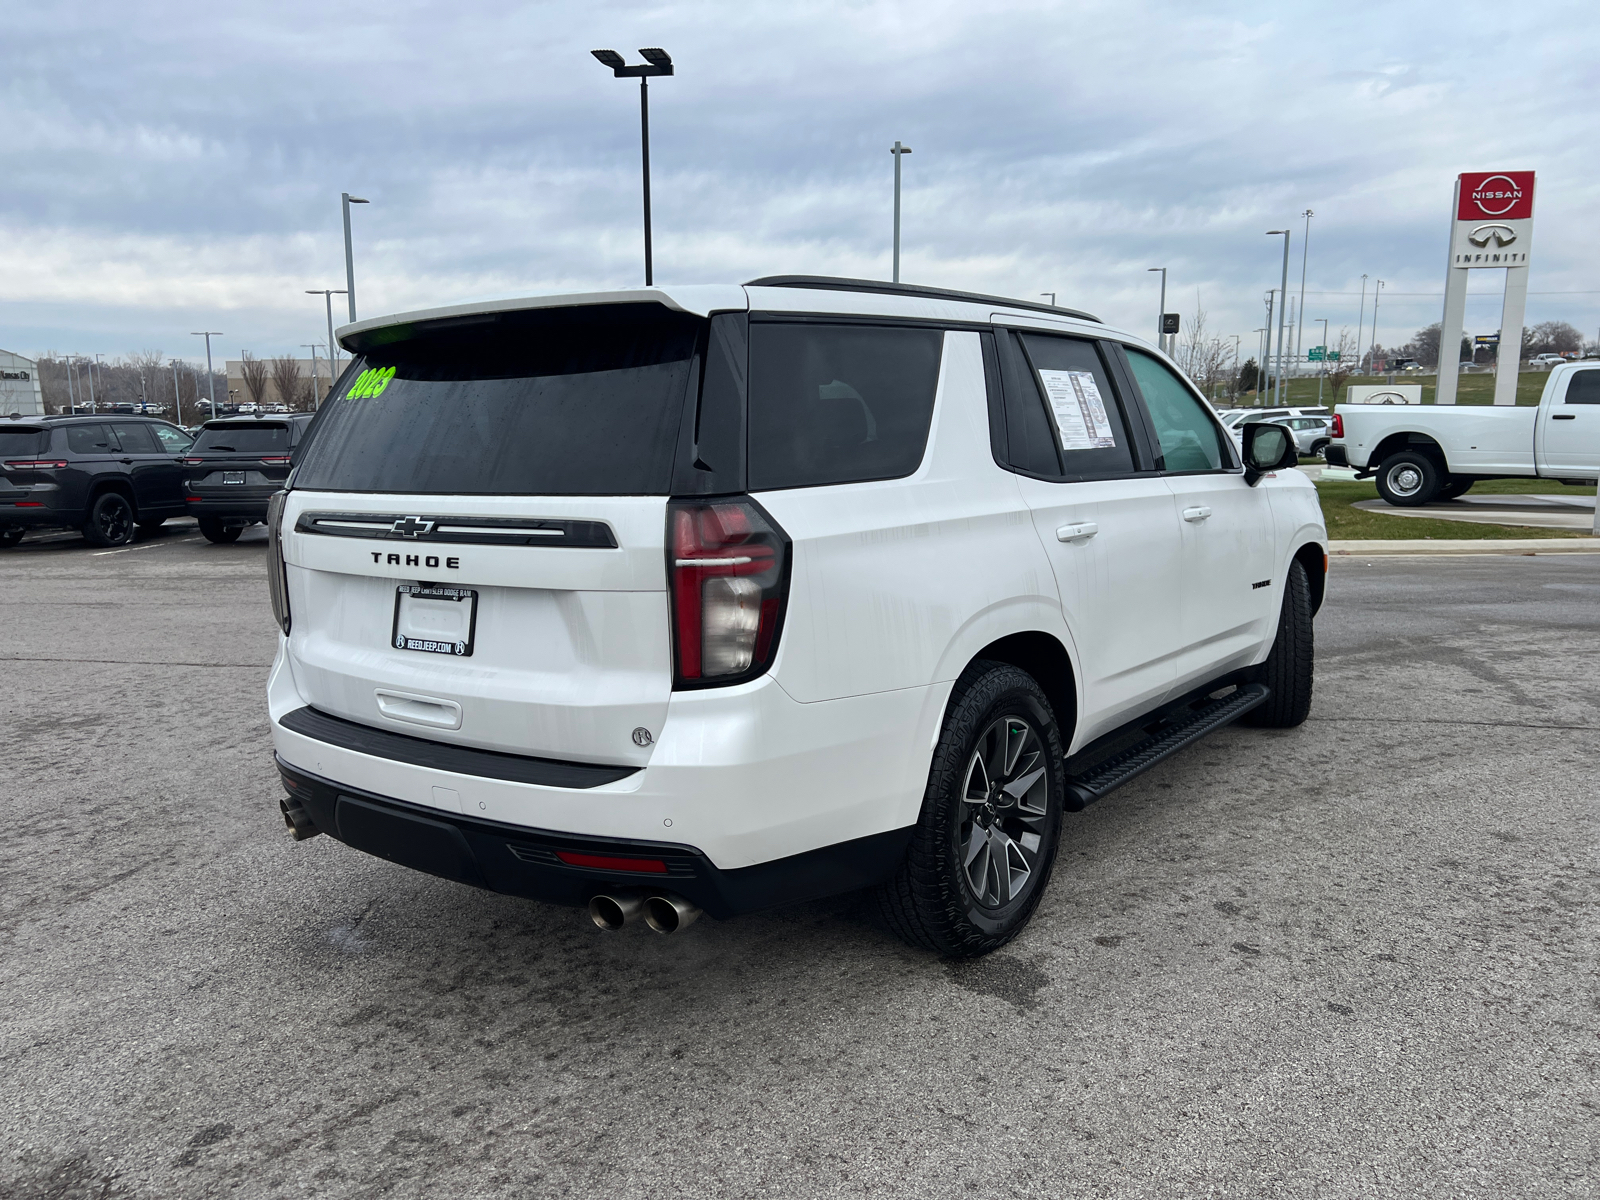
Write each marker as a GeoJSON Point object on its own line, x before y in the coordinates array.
{"type": "Point", "coordinates": [1492, 227]}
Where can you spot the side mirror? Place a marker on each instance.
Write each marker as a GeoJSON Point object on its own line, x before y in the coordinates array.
{"type": "Point", "coordinates": [1267, 448]}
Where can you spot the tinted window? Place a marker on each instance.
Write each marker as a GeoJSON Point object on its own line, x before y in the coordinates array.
{"type": "Point", "coordinates": [89, 439]}
{"type": "Point", "coordinates": [1584, 388]}
{"type": "Point", "coordinates": [1190, 440]}
{"type": "Point", "coordinates": [173, 441]}
{"type": "Point", "coordinates": [563, 402]}
{"type": "Point", "coordinates": [838, 403]}
{"type": "Point", "coordinates": [1084, 416]}
{"type": "Point", "coordinates": [259, 437]}
{"type": "Point", "coordinates": [136, 439]}
{"type": "Point", "coordinates": [14, 441]}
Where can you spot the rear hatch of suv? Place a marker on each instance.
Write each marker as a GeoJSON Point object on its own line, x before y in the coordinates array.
{"type": "Point", "coordinates": [475, 531]}
{"type": "Point", "coordinates": [238, 460]}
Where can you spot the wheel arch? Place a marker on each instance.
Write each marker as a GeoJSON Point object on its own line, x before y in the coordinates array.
{"type": "Point", "coordinates": [1314, 558]}
{"type": "Point", "coordinates": [101, 486]}
{"type": "Point", "coordinates": [1407, 440]}
{"type": "Point", "coordinates": [1042, 656]}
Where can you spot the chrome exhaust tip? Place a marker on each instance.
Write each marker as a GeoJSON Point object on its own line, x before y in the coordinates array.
{"type": "Point", "coordinates": [612, 912]}
{"type": "Point", "coordinates": [669, 914]}
{"type": "Point", "coordinates": [297, 819]}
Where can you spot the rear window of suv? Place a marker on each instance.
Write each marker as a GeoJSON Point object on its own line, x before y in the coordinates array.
{"type": "Point", "coordinates": [559, 402]}
{"type": "Point", "coordinates": [14, 441]}
{"type": "Point", "coordinates": [258, 437]}
{"type": "Point", "coordinates": [838, 403]}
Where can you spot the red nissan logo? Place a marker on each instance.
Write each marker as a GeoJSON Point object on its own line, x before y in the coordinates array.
{"type": "Point", "coordinates": [1506, 195]}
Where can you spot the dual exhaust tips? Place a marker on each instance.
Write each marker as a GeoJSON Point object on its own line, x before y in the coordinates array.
{"type": "Point", "coordinates": [664, 913]}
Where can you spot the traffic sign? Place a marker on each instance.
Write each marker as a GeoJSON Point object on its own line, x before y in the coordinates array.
{"type": "Point", "coordinates": [1315, 354]}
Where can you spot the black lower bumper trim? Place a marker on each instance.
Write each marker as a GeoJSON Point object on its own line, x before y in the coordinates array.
{"type": "Point", "coordinates": [524, 862]}
{"type": "Point", "coordinates": [445, 756]}
{"type": "Point", "coordinates": [1334, 456]}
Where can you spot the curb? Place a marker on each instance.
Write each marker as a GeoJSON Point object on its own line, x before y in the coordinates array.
{"type": "Point", "coordinates": [1432, 547]}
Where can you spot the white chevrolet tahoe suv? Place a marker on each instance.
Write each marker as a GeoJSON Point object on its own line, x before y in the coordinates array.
{"type": "Point", "coordinates": [695, 599]}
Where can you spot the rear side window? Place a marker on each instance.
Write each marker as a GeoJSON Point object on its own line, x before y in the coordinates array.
{"type": "Point", "coordinates": [136, 439]}
{"type": "Point", "coordinates": [1583, 388]}
{"type": "Point", "coordinates": [173, 441]}
{"type": "Point", "coordinates": [1085, 419]}
{"type": "Point", "coordinates": [1190, 440]}
{"type": "Point", "coordinates": [15, 442]}
{"type": "Point", "coordinates": [259, 437]}
{"type": "Point", "coordinates": [562, 402]}
{"type": "Point", "coordinates": [89, 439]}
{"type": "Point", "coordinates": [838, 403]}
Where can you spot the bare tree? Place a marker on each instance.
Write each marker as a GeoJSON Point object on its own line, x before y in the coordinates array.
{"type": "Point", "coordinates": [254, 371]}
{"type": "Point", "coordinates": [1204, 358]}
{"type": "Point", "coordinates": [1341, 368]}
{"type": "Point", "coordinates": [306, 398]}
{"type": "Point", "coordinates": [1551, 337]}
{"type": "Point", "coordinates": [286, 379]}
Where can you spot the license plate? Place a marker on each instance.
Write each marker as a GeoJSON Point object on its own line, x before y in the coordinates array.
{"type": "Point", "coordinates": [233, 477]}
{"type": "Point", "coordinates": [435, 620]}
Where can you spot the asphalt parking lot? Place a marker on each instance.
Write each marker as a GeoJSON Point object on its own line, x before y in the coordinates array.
{"type": "Point", "coordinates": [1354, 959]}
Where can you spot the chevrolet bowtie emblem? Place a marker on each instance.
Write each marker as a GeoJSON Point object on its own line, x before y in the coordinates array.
{"type": "Point", "coordinates": [412, 527]}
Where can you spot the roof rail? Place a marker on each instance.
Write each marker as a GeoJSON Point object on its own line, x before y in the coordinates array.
{"type": "Point", "coordinates": [830, 283]}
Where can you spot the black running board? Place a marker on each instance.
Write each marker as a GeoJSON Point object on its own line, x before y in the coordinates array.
{"type": "Point", "coordinates": [1185, 729]}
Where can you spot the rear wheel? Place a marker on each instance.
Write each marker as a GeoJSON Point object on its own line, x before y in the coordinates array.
{"type": "Point", "coordinates": [10, 537]}
{"type": "Point", "coordinates": [110, 520]}
{"type": "Point", "coordinates": [1409, 479]}
{"type": "Point", "coordinates": [151, 524]}
{"type": "Point", "coordinates": [984, 845]}
{"type": "Point", "coordinates": [1319, 449]}
{"type": "Point", "coordinates": [1456, 486]}
{"type": "Point", "coordinates": [1289, 667]}
{"type": "Point", "coordinates": [215, 531]}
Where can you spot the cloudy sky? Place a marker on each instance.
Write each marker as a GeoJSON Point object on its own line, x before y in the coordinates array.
{"type": "Point", "coordinates": [172, 166]}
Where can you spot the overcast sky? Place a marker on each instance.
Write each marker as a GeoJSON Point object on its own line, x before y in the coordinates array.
{"type": "Point", "coordinates": [177, 166]}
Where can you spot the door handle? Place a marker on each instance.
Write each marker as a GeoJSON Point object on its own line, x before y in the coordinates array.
{"type": "Point", "coordinates": [1565, 417]}
{"type": "Point", "coordinates": [1198, 513]}
{"type": "Point", "coordinates": [127, 461]}
{"type": "Point", "coordinates": [1078, 531]}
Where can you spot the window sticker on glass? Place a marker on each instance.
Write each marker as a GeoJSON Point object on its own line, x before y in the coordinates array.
{"type": "Point", "coordinates": [370, 382]}
{"type": "Point", "coordinates": [1079, 409]}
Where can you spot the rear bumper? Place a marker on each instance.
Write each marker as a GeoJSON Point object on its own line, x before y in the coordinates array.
{"type": "Point", "coordinates": [519, 861]}
{"type": "Point", "coordinates": [13, 515]}
{"type": "Point", "coordinates": [1334, 456]}
{"type": "Point", "coordinates": [229, 508]}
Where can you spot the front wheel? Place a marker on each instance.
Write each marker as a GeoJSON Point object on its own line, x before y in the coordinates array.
{"type": "Point", "coordinates": [1409, 479]}
{"type": "Point", "coordinates": [982, 850]}
{"type": "Point", "coordinates": [110, 520]}
{"type": "Point", "coordinates": [216, 532]}
{"type": "Point", "coordinates": [1290, 665]}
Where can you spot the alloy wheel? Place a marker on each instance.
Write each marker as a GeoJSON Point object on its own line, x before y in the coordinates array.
{"type": "Point", "coordinates": [1005, 806]}
{"type": "Point", "coordinates": [114, 519]}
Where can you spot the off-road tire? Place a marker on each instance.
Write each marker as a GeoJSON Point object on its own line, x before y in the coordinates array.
{"type": "Point", "coordinates": [930, 902]}
{"type": "Point", "coordinates": [1289, 667]}
{"type": "Point", "coordinates": [1409, 479]}
{"type": "Point", "coordinates": [213, 530]}
{"type": "Point", "coordinates": [111, 520]}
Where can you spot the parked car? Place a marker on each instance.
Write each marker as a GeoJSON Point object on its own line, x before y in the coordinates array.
{"type": "Point", "coordinates": [1422, 452]}
{"type": "Point", "coordinates": [1545, 362]}
{"type": "Point", "coordinates": [713, 598]}
{"type": "Point", "coordinates": [235, 466]}
{"type": "Point", "coordinates": [1311, 436]}
{"type": "Point", "coordinates": [104, 475]}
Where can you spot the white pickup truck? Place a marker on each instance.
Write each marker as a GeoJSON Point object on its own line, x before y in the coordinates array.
{"type": "Point", "coordinates": [1420, 453]}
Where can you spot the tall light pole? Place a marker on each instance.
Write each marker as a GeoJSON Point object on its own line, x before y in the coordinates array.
{"type": "Point", "coordinates": [1361, 316]}
{"type": "Point", "coordinates": [93, 363]}
{"type": "Point", "coordinates": [1323, 373]}
{"type": "Point", "coordinates": [1052, 296]}
{"type": "Point", "coordinates": [177, 396]}
{"type": "Point", "coordinates": [1373, 348]}
{"type": "Point", "coordinates": [328, 294]}
{"type": "Point", "coordinates": [899, 151]}
{"type": "Point", "coordinates": [1160, 334]}
{"type": "Point", "coordinates": [657, 62]}
{"type": "Point", "coordinates": [211, 387]}
{"type": "Point", "coordinates": [1266, 354]}
{"type": "Point", "coordinates": [1305, 251]}
{"type": "Point", "coordinates": [1277, 391]}
{"type": "Point", "coordinates": [345, 201]}
{"type": "Point", "coordinates": [316, 385]}
{"type": "Point", "coordinates": [1261, 356]}
{"type": "Point", "coordinates": [94, 406]}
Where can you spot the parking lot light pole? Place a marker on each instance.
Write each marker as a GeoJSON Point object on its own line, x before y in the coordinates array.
{"type": "Point", "coordinates": [211, 388]}
{"type": "Point", "coordinates": [177, 396]}
{"type": "Point", "coordinates": [93, 404]}
{"type": "Point", "coordinates": [1372, 348]}
{"type": "Point", "coordinates": [346, 200]}
{"type": "Point", "coordinates": [316, 386]}
{"type": "Point", "coordinates": [1277, 391]}
{"type": "Point", "coordinates": [657, 62]}
{"type": "Point", "coordinates": [899, 151]}
{"type": "Point", "coordinates": [328, 294]}
{"type": "Point", "coordinates": [1162, 312]}
{"type": "Point", "coordinates": [1305, 253]}
{"type": "Point", "coordinates": [1323, 373]}
{"type": "Point", "coordinates": [1361, 318]}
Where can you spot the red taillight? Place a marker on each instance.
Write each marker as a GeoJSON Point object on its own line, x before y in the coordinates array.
{"type": "Point", "coordinates": [31, 465]}
{"type": "Point", "coordinates": [606, 862]}
{"type": "Point", "coordinates": [1338, 426]}
{"type": "Point", "coordinates": [30, 504]}
{"type": "Point", "coordinates": [728, 562]}
{"type": "Point", "coordinates": [281, 460]}
{"type": "Point", "coordinates": [196, 499]}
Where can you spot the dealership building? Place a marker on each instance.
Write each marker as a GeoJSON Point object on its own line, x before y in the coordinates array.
{"type": "Point", "coordinates": [19, 386]}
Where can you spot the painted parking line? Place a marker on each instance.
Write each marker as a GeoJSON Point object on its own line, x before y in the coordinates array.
{"type": "Point", "coordinates": [146, 546]}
